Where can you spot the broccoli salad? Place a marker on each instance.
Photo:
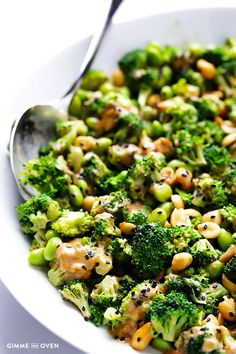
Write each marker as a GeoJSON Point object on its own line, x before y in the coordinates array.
{"type": "Point", "coordinates": [135, 216]}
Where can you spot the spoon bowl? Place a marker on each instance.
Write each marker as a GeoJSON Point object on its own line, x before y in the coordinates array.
{"type": "Point", "coordinates": [36, 127]}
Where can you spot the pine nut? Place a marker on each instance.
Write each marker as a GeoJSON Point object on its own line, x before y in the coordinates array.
{"type": "Point", "coordinates": [212, 216]}
{"type": "Point", "coordinates": [181, 261]}
{"type": "Point", "coordinates": [142, 337]}
{"type": "Point", "coordinates": [228, 309]}
{"type": "Point", "coordinates": [209, 230]}
{"type": "Point", "coordinates": [177, 201]}
{"type": "Point", "coordinates": [206, 68]}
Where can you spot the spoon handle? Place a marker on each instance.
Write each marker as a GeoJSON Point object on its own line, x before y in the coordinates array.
{"type": "Point", "coordinates": [94, 45]}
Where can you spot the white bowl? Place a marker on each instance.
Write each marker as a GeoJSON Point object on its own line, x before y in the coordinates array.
{"type": "Point", "coordinates": [27, 284]}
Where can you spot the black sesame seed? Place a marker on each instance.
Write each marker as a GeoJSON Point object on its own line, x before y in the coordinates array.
{"type": "Point", "coordinates": [148, 289]}
{"type": "Point", "coordinates": [159, 212]}
{"type": "Point", "coordinates": [122, 338]}
{"type": "Point", "coordinates": [68, 247]}
{"type": "Point", "coordinates": [83, 308]}
{"type": "Point", "coordinates": [231, 314]}
{"type": "Point", "coordinates": [214, 286]}
{"type": "Point", "coordinates": [138, 339]}
{"type": "Point", "coordinates": [184, 174]}
{"type": "Point", "coordinates": [96, 264]}
{"type": "Point", "coordinates": [107, 253]}
{"type": "Point", "coordinates": [133, 293]}
{"type": "Point", "coordinates": [86, 256]}
{"type": "Point", "coordinates": [203, 297]}
{"type": "Point", "coordinates": [108, 262]}
{"type": "Point", "coordinates": [213, 216]}
{"type": "Point", "coordinates": [116, 337]}
{"type": "Point", "coordinates": [205, 227]}
{"type": "Point", "coordinates": [218, 330]}
{"type": "Point", "coordinates": [84, 267]}
{"type": "Point", "coordinates": [143, 291]}
{"type": "Point", "coordinates": [86, 318]}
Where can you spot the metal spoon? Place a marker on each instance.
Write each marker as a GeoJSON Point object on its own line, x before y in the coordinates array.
{"type": "Point", "coordinates": [36, 127]}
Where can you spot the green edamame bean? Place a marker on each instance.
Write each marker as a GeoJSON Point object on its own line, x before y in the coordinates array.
{"type": "Point", "coordinates": [51, 247]}
{"type": "Point", "coordinates": [225, 239]}
{"type": "Point", "coordinates": [83, 186]}
{"type": "Point", "coordinates": [106, 87]}
{"type": "Point", "coordinates": [50, 233]}
{"type": "Point", "coordinates": [147, 127]}
{"type": "Point", "coordinates": [75, 195]}
{"type": "Point", "coordinates": [124, 91]}
{"type": "Point", "coordinates": [215, 269]}
{"type": "Point", "coordinates": [92, 122]}
{"type": "Point", "coordinates": [167, 207]}
{"type": "Point", "coordinates": [166, 92]}
{"type": "Point", "coordinates": [148, 113]}
{"type": "Point", "coordinates": [102, 145]}
{"type": "Point", "coordinates": [160, 344]}
{"type": "Point", "coordinates": [162, 191]}
{"type": "Point", "coordinates": [177, 164]}
{"type": "Point", "coordinates": [157, 215]}
{"type": "Point", "coordinates": [75, 157]}
{"type": "Point", "coordinates": [157, 129]}
{"type": "Point", "coordinates": [36, 257]}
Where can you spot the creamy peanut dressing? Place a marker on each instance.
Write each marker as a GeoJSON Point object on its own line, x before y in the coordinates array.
{"type": "Point", "coordinates": [77, 261]}
{"type": "Point", "coordinates": [136, 312]}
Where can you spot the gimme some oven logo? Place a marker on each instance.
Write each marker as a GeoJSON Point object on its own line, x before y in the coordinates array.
{"type": "Point", "coordinates": [26, 345]}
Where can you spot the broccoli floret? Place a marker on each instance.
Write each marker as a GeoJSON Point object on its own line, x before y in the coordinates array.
{"type": "Point", "coordinates": [185, 196]}
{"type": "Point", "coordinates": [183, 236]}
{"type": "Point", "coordinates": [114, 183]}
{"type": "Point", "coordinates": [106, 292]}
{"type": "Point", "coordinates": [126, 284]}
{"type": "Point", "coordinates": [105, 226]}
{"type": "Point", "coordinates": [135, 59]}
{"type": "Point", "coordinates": [209, 191]}
{"type": "Point", "coordinates": [45, 176]}
{"type": "Point", "coordinates": [93, 79]}
{"type": "Point", "coordinates": [121, 155]}
{"type": "Point", "coordinates": [142, 174]}
{"type": "Point", "coordinates": [116, 204]}
{"type": "Point", "coordinates": [121, 255]}
{"type": "Point", "coordinates": [229, 214]}
{"type": "Point", "coordinates": [198, 289]}
{"type": "Point", "coordinates": [97, 314]}
{"type": "Point", "coordinates": [203, 253]}
{"type": "Point", "coordinates": [56, 276]}
{"type": "Point", "coordinates": [172, 314]}
{"type": "Point", "coordinates": [230, 181]}
{"type": "Point", "coordinates": [209, 131]}
{"type": "Point", "coordinates": [73, 223]}
{"type": "Point", "coordinates": [77, 292]}
{"type": "Point", "coordinates": [151, 242]}
{"type": "Point", "coordinates": [189, 148]}
{"type": "Point", "coordinates": [207, 107]}
{"type": "Point", "coordinates": [140, 216]}
{"type": "Point", "coordinates": [129, 128]}
{"type": "Point", "coordinates": [218, 159]}
{"type": "Point", "coordinates": [37, 212]}
{"type": "Point", "coordinates": [182, 88]}
{"type": "Point", "coordinates": [230, 269]}
{"type": "Point", "coordinates": [178, 114]}
{"type": "Point", "coordinates": [195, 340]}
{"type": "Point", "coordinates": [94, 168]}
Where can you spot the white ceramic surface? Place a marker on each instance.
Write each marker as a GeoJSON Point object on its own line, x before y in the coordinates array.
{"type": "Point", "coordinates": [29, 285]}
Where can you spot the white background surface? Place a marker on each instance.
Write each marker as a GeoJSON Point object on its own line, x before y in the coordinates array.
{"type": "Point", "coordinates": [31, 32]}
